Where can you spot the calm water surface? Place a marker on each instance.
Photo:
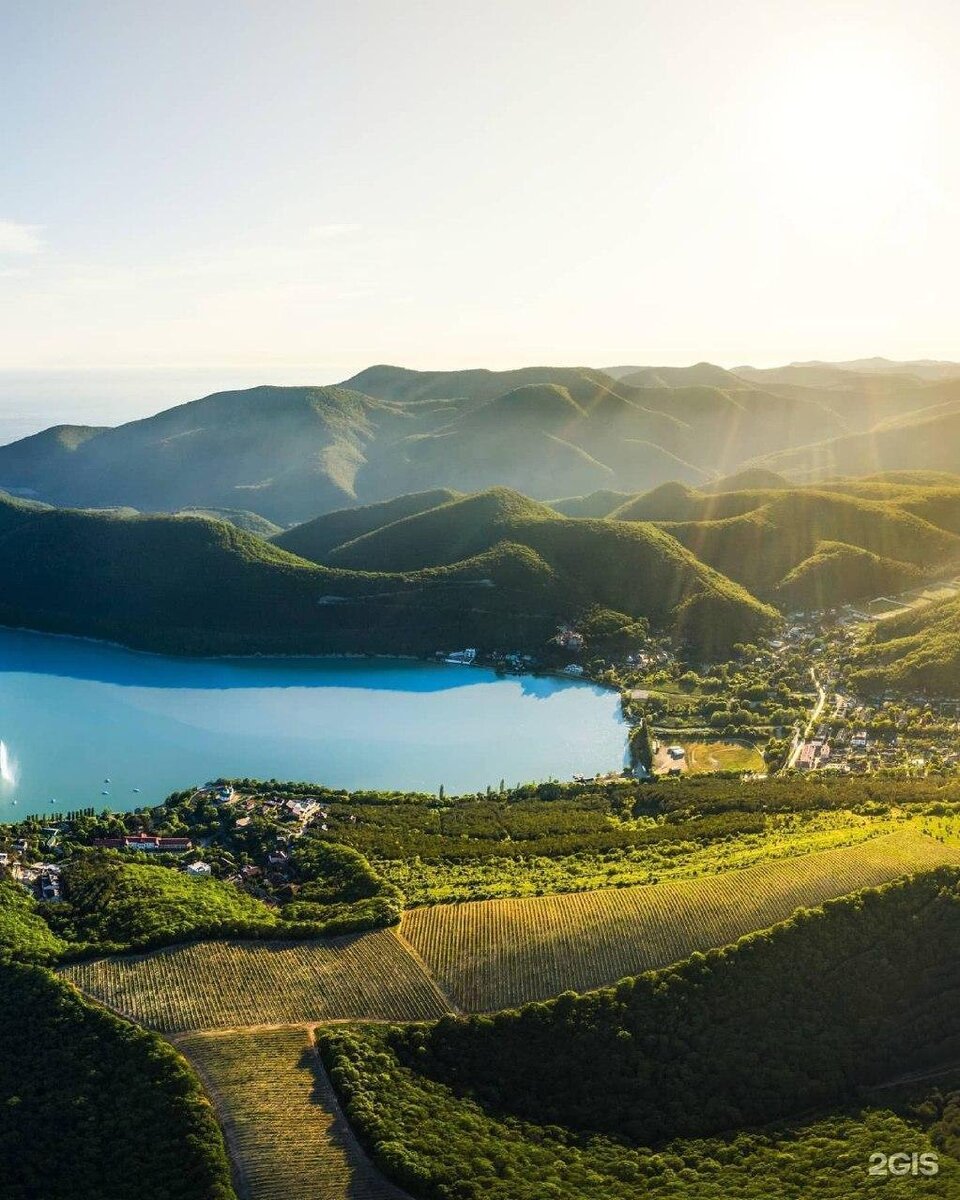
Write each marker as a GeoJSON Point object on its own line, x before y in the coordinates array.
{"type": "Point", "coordinates": [74, 714]}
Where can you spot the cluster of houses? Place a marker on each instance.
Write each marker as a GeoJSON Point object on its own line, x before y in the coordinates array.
{"type": "Point", "coordinates": [569, 639]}
{"type": "Point", "coordinates": [41, 879]}
{"type": "Point", "coordinates": [302, 810]}
{"type": "Point", "coordinates": [221, 793]}
{"type": "Point", "coordinates": [462, 658]}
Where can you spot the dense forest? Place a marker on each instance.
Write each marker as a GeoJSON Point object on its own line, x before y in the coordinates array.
{"type": "Point", "coordinates": [440, 1145]}
{"type": "Point", "coordinates": [94, 1107]}
{"type": "Point", "coordinates": [439, 570]}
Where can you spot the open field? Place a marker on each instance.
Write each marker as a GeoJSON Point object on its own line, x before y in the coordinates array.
{"type": "Point", "coordinates": [704, 757]}
{"type": "Point", "coordinates": [884, 607]}
{"type": "Point", "coordinates": [209, 985]}
{"type": "Point", "coordinates": [722, 756]}
{"type": "Point", "coordinates": [287, 1137]}
{"type": "Point", "coordinates": [495, 954]}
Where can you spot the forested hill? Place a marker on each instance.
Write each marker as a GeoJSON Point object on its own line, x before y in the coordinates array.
{"type": "Point", "coordinates": [289, 454]}
{"type": "Point", "coordinates": [495, 571]}
{"type": "Point", "coordinates": [810, 547]}
{"type": "Point", "coordinates": [95, 1107]}
{"type": "Point", "coordinates": [796, 548]}
{"type": "Point", "coordinates": [917, 649]}
{"type": "Point", "coordinates": [924, 439]}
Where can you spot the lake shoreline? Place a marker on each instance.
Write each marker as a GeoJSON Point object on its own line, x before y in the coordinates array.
{"type": "Point", "coordinates": [256, 657]}
{"type": "Point", "coordinates": [87, 722]}
{"type": "Point", "coordinates": [345, 656]}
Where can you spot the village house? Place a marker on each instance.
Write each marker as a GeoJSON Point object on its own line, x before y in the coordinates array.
{"type": "Point", "coordinates": [48, 884]}
{"type": "Point", "coordinates": [463, 658]}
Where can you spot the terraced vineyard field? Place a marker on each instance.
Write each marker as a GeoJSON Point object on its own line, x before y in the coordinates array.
{"type": "Point", "coordinates": [210, 985]}
{"type": "Point", "coordinates": [494, 954]}
{"type": "Point", "coordinates": [287, 1137]}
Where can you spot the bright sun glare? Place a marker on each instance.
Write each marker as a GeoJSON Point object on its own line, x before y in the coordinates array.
{"type": "Point", "coordinates": [850, 127]}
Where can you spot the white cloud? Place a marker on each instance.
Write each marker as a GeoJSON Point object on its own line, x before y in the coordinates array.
{"type": "Point", "coordinates": [331, 231]}
{"type": "Point", "coordinates": [16, 238]}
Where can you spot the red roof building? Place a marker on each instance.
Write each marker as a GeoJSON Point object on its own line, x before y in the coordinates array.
{"type": "Point", "coordinates": [146, 841]}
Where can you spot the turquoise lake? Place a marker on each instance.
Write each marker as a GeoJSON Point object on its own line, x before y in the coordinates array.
{"type": "Point", "coordinates": [74, 714]}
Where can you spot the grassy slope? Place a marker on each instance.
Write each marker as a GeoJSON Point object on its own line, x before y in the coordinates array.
{"type": "Point", "coordinates": [494, 953]}
{"type": "Point", "coordinates": [287, 1136]}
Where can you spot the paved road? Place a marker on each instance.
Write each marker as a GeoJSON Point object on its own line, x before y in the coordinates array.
{"type": "Point", "coordinates": [811, 723]}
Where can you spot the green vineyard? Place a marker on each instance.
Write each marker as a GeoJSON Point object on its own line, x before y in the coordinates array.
{"type": "Point", "coordinates": [489, 954]}
{"type": "Point", "coordinates": [288, 1139]}
{"type": "Point", "coordinates": [495, 954]}
{"type": "Point", "coordinates": [211, 985]}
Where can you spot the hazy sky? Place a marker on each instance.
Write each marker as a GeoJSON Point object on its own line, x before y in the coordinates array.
{"type": "Point", "coordinates": [443, 183]}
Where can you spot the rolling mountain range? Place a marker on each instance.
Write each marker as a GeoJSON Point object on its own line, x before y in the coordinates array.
{"type": "Point", "coordinates": [494, 570]}
{"type": "Point", "coordinates": [288, 454]}
{"type": "Point", "coordinates": [814, 546]}
{"type": "Point", "coordinates": [407, 511]}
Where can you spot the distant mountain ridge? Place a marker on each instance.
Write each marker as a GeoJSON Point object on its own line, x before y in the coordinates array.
{"type": "Point", "coordinates": [292, 453]}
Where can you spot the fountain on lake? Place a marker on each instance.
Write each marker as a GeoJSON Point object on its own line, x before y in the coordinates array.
{"type": "Point", "coordinates": [8, 774]}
